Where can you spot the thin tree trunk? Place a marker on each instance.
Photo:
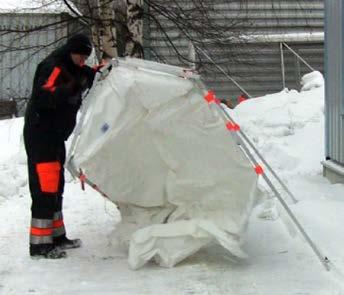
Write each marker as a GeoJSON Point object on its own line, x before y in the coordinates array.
{"type": "Point", "coordinates": [107, 30]}
{"type": "Point", "coordinates": [100, 15]}
{"type": "Point", "coordinates": [134, 44]}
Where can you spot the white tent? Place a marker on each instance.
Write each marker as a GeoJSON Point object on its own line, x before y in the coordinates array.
{"type": "Point", "coordinates": [150, 142]}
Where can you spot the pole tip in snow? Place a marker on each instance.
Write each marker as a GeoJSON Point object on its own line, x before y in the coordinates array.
{"type": "Point", "coordinates": [327, 263]}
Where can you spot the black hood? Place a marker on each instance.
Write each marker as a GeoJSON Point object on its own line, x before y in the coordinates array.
{"type": "Point", "coordinates": [79, 44]}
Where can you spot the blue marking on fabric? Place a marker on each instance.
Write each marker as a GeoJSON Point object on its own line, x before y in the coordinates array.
{"type": "Point", "coordinates": [105, 127]}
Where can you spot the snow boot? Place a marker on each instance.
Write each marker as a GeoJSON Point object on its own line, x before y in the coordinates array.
{"type": "Point", "coordinates": [64, 243]}
{"type": "Point", "coordinates": [48, 251]}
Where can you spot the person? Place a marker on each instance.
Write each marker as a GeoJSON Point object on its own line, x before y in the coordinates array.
{"type": "Point", "coordinates": [50, 118]}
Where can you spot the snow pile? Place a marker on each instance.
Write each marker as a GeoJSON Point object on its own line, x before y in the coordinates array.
{"type": "Point", "coordinates": [34, 6]}
{"type": "Point", "coordinates": [12, 158]}
{"type": "Point", "coordinates": [278, 123]}
{"type": "Point", "coordinates": [312, 80]}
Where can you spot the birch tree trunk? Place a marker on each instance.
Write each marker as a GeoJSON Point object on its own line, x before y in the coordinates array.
{"type": "Point", "coordinates": [104, 32]}
{"type": "Point", "coordinates": [101, 17]}
{"type": "Point", "coordinates": [134, 44]}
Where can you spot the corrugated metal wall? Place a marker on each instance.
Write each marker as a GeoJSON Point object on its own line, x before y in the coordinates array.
{"type": "Point", "coordinates": [257, 65]}
{"type": "Point", "coordinates": [335, 80]}
{"type": "Point", "coordinates": [258, 68]}
{"type": "Point", "coordinates": [17, 67]}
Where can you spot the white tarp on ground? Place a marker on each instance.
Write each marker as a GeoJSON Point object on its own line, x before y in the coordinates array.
{"type": "Point", "coordinates": [149, 140]}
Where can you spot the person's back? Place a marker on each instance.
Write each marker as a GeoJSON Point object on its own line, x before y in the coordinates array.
{"type": "Point", "coordinates": [56, 93]}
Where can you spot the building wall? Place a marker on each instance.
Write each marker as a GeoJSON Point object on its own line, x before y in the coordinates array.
{"type": "Point", "coordinates": [17, 66]}
{"type": "Point", "coordinates": [334, 81]}
{"type": "Point", "coordinates": [257, 65]}
{"type": "Point", "coordinates": [20, 53]}
{"type": "Point", "coordinates": [259, 69]}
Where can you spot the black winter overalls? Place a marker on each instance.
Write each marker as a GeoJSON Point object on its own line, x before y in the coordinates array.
{"type": "Point", "coordinates": [49, 120]}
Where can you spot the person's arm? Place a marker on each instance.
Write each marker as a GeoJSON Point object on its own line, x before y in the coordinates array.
{"type": "Point", "coordinates": [49, 93]}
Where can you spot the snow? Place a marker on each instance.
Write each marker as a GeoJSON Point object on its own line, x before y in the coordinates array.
{"type": "Point", "coordinates": [33, 6]}
{"type": "Point", "coordinates": [286, 127]}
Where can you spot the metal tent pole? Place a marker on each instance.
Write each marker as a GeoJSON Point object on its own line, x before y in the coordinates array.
{"type": "Point", "coordinates": [266, 164]}
{"type": "Point", "coordinates": [245, 137]}
{"type": "Point", "coordinates": [240, 135]}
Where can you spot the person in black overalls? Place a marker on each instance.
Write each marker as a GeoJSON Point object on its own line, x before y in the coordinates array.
{"type": "Point", "coordinates": [50, 118]}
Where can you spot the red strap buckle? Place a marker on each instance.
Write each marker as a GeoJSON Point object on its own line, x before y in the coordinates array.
{"type": "Point", "coordinates": [210, 97]}
{"type": "Point", "coordinates": [232, 126]}
{"type": "Point", "coordinates": [259, 170]}
{"type": "Point", "coordinates": [82, 178]}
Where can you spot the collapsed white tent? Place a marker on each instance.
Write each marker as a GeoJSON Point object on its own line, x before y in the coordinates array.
{"type": "Point", "coordinates": [150, 142]}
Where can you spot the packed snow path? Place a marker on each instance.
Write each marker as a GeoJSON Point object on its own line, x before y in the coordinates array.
{"type": "Point", "coordinates": [278, 264]}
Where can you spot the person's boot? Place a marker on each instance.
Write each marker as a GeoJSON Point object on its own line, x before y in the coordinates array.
{"type": "Point", "coordinates": [64, 243]}
{"type": "Point", "coordinates": [48, 251]}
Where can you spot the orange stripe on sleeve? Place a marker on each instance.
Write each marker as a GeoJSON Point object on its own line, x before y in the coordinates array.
{"type": "Point", "coordinates": [50, 84]}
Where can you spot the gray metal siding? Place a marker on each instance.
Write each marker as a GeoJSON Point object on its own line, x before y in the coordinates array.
{"type": "Point", "coordinates": [334, 80]}
{"type": "Point", "coordinates": [257, 66]}
{"type": "Point", "coordinates": [258, 70]}
{"type": "Point", "coordinates": [17, 67]}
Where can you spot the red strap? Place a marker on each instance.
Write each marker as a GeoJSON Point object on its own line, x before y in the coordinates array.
{"type": "Point", "coordinates": [50, 84]}
{"type": "Point", "coordinates": [259, 170]}
{"type": "Point", "coordinates": [36, 231]}
{"type": "Point", "coordinates": [49, 176]}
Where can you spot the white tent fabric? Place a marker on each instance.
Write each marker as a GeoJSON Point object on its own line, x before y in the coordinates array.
{"type": "Point", "coordinates": [152, 144]}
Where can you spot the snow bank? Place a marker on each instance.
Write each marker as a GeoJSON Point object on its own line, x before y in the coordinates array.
{"type": "Point", "coordinates": [35, 6]}
{"type": "Point", "coordinates": [12, 158]}
{"type": "Point", "coordinates": [278, 124]}
{"type": "Point", "coordinates": [312, 80]}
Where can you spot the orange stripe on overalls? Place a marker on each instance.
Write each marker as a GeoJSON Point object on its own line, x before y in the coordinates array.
{"type": "Point", "coordinates": [36, 231]}
{"type": "Point", "coordinates": [49, 176]}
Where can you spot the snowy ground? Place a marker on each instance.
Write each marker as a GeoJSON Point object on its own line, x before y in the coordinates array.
{"type": "Point", "coordinates": [287, 128]}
